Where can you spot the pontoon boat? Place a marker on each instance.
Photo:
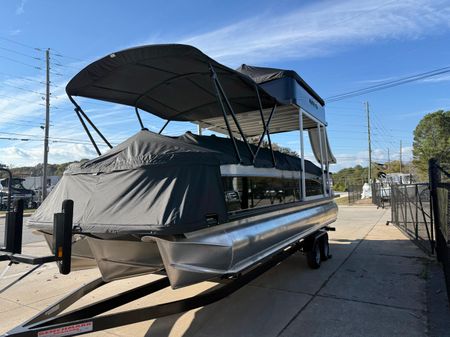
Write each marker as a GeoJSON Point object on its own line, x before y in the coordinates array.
{"type": "Point", "coordinates": [195, 206]}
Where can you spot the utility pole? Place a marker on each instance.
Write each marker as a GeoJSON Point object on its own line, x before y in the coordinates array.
{"type": "Point", "coordinates": [389, 160]}
{"type": "Point", "coordinates": [370, 145]}
{"type": "Point", "coordinates": [400, 156]}
{"type": "Point", "coordinates": [47, 123]}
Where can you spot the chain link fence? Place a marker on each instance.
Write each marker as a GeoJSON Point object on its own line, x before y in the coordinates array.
{"type": "Point", "coordinates": [354, 193]}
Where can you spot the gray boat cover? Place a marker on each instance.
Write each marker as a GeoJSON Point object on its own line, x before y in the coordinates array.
{"type": "Point", "coordinates": [227, 154]}
{"type": "Point", "coordinates": [152, 184]}
{"type": "Point", "coordinates": [263, 75]}
{"type": "Point", "coordinates": [148, 184]}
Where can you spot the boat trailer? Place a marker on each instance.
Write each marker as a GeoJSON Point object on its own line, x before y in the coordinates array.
{"type": "Point", "coordinates": [86, 319]}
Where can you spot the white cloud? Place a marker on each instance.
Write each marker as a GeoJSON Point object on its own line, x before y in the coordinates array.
{"type": "Point", "coordinates": [362, 158]}
{"type": "Point", "coordinates": [58, 153]}
{"type": "Point", "coordinates": [21, 7]}
{"type": "Point", "coordinates": [422, 113]}
{"type": "Point", "coordinates": [320, 29]}
{"type": "Point", "coordinates": [438, 78]}
{"type": "Point", "coordinates": [15, 32]}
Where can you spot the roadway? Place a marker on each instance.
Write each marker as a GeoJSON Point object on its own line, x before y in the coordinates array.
{"type": "Point", "coordinates": [28, 236]}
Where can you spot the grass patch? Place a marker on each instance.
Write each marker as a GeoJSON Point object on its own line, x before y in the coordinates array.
{"type": "Point", "coordinates": [26, 211]}
{"type": "Point", "coordinates": [341, 201]}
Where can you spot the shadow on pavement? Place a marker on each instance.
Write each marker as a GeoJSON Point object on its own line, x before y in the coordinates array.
{"type": "Point", "coordinates": [370, 287]}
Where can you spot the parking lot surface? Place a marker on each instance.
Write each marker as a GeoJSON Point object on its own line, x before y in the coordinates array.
{"type": "Point", "coordinates": [375, 285]}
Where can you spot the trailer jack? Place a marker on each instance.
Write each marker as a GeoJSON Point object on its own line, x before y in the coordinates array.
{"type": "Point", "coordinates": [62, 240]}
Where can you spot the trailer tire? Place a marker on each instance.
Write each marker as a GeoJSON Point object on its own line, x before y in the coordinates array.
{"type": "Point", "coordinates": [313, 256]}
{"type": "Point", "coordinates": [324, 248]}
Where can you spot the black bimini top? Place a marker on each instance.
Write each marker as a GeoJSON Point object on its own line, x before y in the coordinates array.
{"type": "Point", "coordinates": [263, 75]}
{"type": "Point", "coordinates": [171, 81]}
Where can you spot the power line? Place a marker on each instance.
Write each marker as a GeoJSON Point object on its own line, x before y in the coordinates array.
{"type": "Point", "coordinates": [388, 84]}
{"type": "Point", "coordinates": [65, 66]}
{"type": "Point", "coordinates": [17, 139]}
{"type": "Point", "coordinates": [20, 43]}
{"type": "Point", "coordinates": [20, 62]}
{"type": "Point", "coordinates": [23, 89]}
{"type": "Point", "coordinates": [19, 99]}
{"type": "Point", "coordinates": [58, 54]}
{"type": "Point", "coordinates": [20, 124]}
{"type": "Point", "coordinates": [16, 119]}
{"type": "Point", "coordinates": [14, 77]}
{"type": "Point", "coordinates": [54, 139]}
{"type": "Point", "coordinates": [20, 53]}
{"type": "Point", "coordinates": [56, 73]}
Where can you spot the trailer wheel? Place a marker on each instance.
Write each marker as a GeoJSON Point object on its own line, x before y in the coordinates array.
{"type": "Point", "coordinates": [324, 248]}
{"type": "Point", "coordinates": [313, 256]}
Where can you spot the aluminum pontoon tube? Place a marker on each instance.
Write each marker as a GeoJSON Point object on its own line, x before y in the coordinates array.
{"type": "Point", "coordinates": [232, 247]}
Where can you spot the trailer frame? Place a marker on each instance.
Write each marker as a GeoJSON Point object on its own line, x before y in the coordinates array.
{"type": "Point", "coordinates": [89, 318]}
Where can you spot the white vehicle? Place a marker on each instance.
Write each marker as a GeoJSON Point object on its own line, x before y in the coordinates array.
{"type": "Point", "coordinates": [389, 179]}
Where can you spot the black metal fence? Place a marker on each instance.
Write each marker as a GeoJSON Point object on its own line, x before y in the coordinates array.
{"type": "Point", "coordinates": [3, 202]}
{"type": "Point", "coordinates": [440, 196]}
{"type": "Point", "coordinates": [411, 212]}
{"type": "Point", "coordinates": [354, 193]}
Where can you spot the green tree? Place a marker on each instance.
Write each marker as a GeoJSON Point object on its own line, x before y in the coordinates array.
{"type": "Point", "coordinates": [349, 176]}
{"type": "Point", "coordinates": [431, 140]}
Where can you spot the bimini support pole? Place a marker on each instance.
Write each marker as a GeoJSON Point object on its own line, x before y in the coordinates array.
{"type": "Point", "coordinates": [266, 128]}
{"type": "Point", "coordinates": [95, 128]}
{"type": "Point", "coordinates": [319, 129]}
{"type": "Point", "coordinates": [164, 126]}
{"type": "Point", "coordinates": [302, 156]}
{"type": "Point", "coordinates": [227, 123]}
{"type": "Point", "coordinates": [139, 118]}
{"type": "Point", "coordinates": [87, 132]}
{"type": "Point", "coordinates": [233, 115]}
{"type": "Point", "coordinates": [327, 159]}
{"type": "Point", "coordinates": [266, 131]}
{"type": "Point", "coordinates": [80, 111]}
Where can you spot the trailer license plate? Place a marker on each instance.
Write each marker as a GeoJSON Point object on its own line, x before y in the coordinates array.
{"type": "Point", "coordinates": [67, 330]}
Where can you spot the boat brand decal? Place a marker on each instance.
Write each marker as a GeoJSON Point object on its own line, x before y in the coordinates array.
{"type": "Point", "coordinates": [313, 103]}
{"type": "Point", "coordinates": [67, 330]}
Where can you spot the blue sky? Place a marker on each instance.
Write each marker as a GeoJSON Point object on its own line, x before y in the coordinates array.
{"type": "Point", "coordinates": [336, 46]}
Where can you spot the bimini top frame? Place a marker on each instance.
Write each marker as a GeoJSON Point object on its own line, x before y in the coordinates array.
{"type": "Point", "coordinates": [180, 83]}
